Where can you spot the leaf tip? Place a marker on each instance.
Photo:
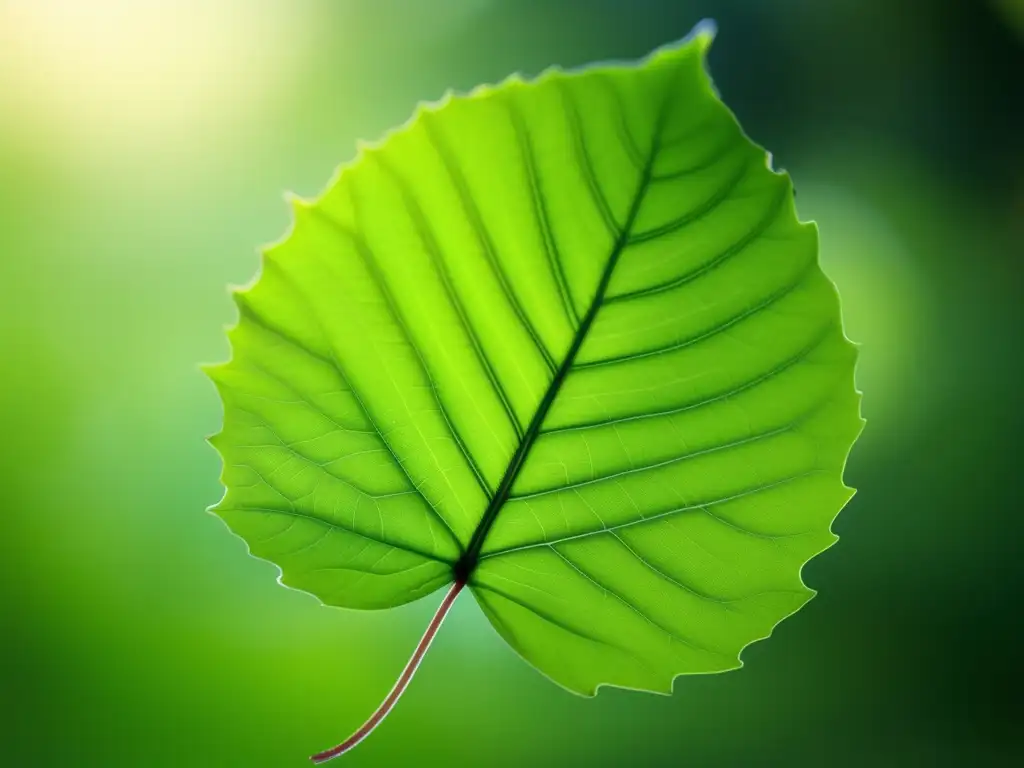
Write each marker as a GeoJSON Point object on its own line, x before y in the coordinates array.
{"type": "Point", "coordinates": [700, 38]}
{"type": "Point", "coordinates": [703, 33]}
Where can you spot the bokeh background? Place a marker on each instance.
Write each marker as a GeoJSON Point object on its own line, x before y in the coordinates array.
{"type": "Point", "coordinates": [144, 149]}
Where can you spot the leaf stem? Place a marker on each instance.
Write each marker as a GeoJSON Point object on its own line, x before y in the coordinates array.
{"type": "Point", "coordinates": [403, 681]}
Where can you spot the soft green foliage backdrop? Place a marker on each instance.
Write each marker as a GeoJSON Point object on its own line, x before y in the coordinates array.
{"type": "Point", "coordinates": [142, 156]}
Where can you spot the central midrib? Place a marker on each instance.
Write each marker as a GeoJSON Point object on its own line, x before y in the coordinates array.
{"type": "Point", "coordinates": [467, 563]}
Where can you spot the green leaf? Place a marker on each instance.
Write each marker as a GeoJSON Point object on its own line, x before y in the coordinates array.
{"type": "Point", "coordinates": [567, 341]}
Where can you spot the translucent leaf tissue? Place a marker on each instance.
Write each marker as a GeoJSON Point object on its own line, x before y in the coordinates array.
{"type": "Point", "coordinates": [561, 343]}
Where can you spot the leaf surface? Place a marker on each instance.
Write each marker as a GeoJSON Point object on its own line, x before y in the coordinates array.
{"type": "Point", "coordinates": [565, 340]}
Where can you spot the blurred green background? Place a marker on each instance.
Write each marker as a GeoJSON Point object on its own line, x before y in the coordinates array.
{"type": "Point", "coordinates": [144, 149]}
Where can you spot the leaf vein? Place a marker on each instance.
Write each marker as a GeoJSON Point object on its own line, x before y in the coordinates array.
{"type": "Point", "coordinates": [701, 507]}
{"type": "Point", "coordinates": [451, 164]}
{"type": "Point", "coordinates": [441, 268]}
{"type": "Point", "coordinates": [344, 528]}
{"type": "Point", "coordinates": [783, 366]}
{"type": "Point", "coordinates": [540, 210]}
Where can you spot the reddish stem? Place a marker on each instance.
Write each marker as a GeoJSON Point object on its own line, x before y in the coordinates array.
{"type": "Point", "coordinates": [401, 685]}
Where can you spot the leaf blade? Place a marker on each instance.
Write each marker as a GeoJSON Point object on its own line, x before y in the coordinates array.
{"type": "Point", "coordinates": [590, 344]}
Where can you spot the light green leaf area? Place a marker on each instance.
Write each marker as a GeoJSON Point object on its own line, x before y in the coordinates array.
{"type": "Point", "coordinates": [567, 340]}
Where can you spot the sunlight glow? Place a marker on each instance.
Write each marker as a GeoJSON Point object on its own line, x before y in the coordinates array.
{"type": "Point", "coordinates": [124, 73]}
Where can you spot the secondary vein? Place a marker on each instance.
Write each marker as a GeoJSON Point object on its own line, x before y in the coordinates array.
{"type": "Point", "coordinates": [468, 562]}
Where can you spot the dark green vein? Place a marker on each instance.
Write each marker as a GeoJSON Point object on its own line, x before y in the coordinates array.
{"type": "Point", "coordinates": [696, 507]}
{"type": "Point", "coordinates": [248, 312]}
{"type": "Point", "coordinates": [554, 620]}
{"type": "Point", "coordinates": [668, 630]}
{"type": "Point", "coordinates": [332, 524]}
{"type": "Point", "coordinates": [540, 209]}
{"type": "Point", "coordinates": [697, 213]}
{"type": "Point", "coordinates": [626, 135]}
{"type": "Point", "coordinates": [322, 466]}
{"type": "Point", "coordinates": [287, 280]}
{"type": "Point", "coordinates": [766, 303]}
{"type": "Point", "coordinates": [469, 560]}
{"type": "Point", "coordinates": [701, 126]}
{"type": "Point", "coordinates": [783, 366]}
{"type": "Point", "coordinates": [735, 249]}
{"type": "Point", "coordinates": [452, 166]}
{"type": "Point", "coordinates": [665, 576]}
{"type": "Point", "coordinates": [713, 158]}
{"type": "Point", "coordinates": [765, 435]}
{"type": "Point", "coordinates": [585, 161]}
{"type": "Point", "coordinates": [794, 424]}
{"type": "Point", "coordinates": [426, 235]}
{"type": "Point", "coordinates": [254, 543]}
{"type": "Point", "coordinates": [370, 571]}
{"type": "Point", "coordinates": [261, 370]}
{"type": "Point", "coordinates": [369, 261]}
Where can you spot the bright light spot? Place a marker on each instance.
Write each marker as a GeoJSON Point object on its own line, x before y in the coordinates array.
{"type": "Point", "coordinates": [129, 74]}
